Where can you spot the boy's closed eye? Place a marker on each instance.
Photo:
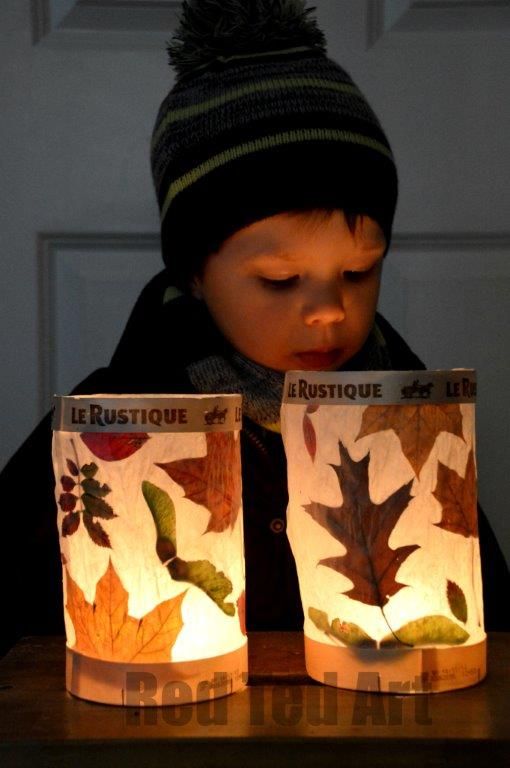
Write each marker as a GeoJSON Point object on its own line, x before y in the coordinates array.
{"type": "Point", "coordinates": [279, 283]}
{"type": "Point", "coordinates": [283, 283]}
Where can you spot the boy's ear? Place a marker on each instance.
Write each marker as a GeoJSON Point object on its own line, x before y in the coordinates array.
{"type": "Point", "coordinates": [196, 288]}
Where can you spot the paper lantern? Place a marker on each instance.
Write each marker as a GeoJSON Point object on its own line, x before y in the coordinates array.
{"type": "Point", "coordinates": [382, 521]}
{"type": "Point", "coordinates": [150, 520]}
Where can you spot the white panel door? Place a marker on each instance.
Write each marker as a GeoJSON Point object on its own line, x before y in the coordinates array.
{"type": "Point", "coordinates": [80, 85]}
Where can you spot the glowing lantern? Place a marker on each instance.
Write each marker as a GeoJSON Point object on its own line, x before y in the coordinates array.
{"type": "Point", "coordinates": [382, 520]}
{"type": "Point", "coordinates": [150, 520]}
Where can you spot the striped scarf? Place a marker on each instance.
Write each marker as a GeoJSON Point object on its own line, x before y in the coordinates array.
{"type": "Point", "coordinates": [262, 388]}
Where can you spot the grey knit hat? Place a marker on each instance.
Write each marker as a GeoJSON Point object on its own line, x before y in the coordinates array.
{"type": "Point", "coordinates": [260, 121]}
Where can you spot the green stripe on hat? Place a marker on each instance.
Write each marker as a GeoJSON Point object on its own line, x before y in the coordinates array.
{"type": "Point", "coordinates": [263, 144]}
{"type": "Point", "coordinates": [264, 86]}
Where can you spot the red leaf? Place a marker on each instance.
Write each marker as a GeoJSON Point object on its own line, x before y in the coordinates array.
{"type": "Point", "coordinates": [67, 483]}
{"type": "Point", "coordinates": [364, 528]}
{"type": "Point", "coordinates": [214, 480]}
{"type": "Point", "coordinates": [457, 601]}
{"type": "Point", "coordinates": [71, 466]}
{"type": "Point", "coordinates": [310, 436]}
{"type": "Point", "coordinates": [70, 523]}
{"type": "Point", "coordinates": [67, 502]}
{"type": "Point", "coordinates": [114, 446]}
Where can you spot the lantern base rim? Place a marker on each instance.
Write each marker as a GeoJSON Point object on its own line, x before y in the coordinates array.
{"type": "Point", "coordinates": [429, 669]}
{"type": "Point", "coordinates": [157, 684]}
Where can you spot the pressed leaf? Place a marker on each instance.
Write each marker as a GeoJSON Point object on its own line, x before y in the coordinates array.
{"type": "Point", "coordinates": [93, 488]}
{"type": "Point", "coordinates": [345, 631]}
{"type": "Point", "coordinates": [319, 618]}
{"type": "Point", "coordinates": [214, 480]}
{"type": "Point", "coordinates": [204, 575]}
{"type": "Point", "coordinates": [67, 483]}
{"type": "Point", "coordinates": [351, 634]}
{"type": "Point", "coordinates": [96, 531]}
{"type": "Point", "coordinates": [364, 528]}
{"type": "Point", "coordinates": [67, 502]}
{"type": "Point", "coordinates": [97, 507]}
{"type": "Point", "coordinates": [73, 469]}
{"type": "Point", "coordinates": [89, 470]}
{"type": "Point", "coordinates": [416, 426]}
{"type": "Point", "coordinates": [309, 436]}
{"type": "Point", "coordinates": [241, 611]}
{"type": "Point", "coordinates": [429, 630]}
{"type": "Point", "coordinates": [457, 496]}
{"type": "Point", "coordinates": [163, 512]}
{"type": "Point", "coordinates": [70, 523]}
{"type": "Point", "coordinates": [105, 630]}
{"type": "Point", "coordinates": [114, 446]}
{"type": "Point", "coordinates": [457, 601]}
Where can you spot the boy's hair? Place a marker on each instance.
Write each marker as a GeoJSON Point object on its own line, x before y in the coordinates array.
{"type": "Point", "coordinates": [259, 122]}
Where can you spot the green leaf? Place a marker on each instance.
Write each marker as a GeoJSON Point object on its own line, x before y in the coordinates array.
{"type": "Point", "coordinates": [89, 470]}
{"type": "Point", "coordinates": [97, 507]}
{"type": "Point", "coordinates": [351, 634]}
{"type": "Point", "coordinates": [204, 575]}
{"type": "Point", "coordinates": [429, 630]}
{"type": "Point", "coordinates": [319, 618]}
{"type": "Point", "coordinates": [345, 631]}
{"type": "Point", "coordinates": [94, 489]}
{"type": "Point", "coordinates": [457, 601]}
{"type": "Point", "coordinates": [163, 512]}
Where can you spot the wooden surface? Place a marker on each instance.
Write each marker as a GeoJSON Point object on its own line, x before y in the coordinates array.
{"type": "Point", "coordinates": [281, 719]}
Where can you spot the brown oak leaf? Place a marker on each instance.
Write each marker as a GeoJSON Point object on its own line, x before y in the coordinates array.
{"type": "Point", "coordinates": [214, 480]}
{"type": "Point", "coordinates": [416, 426]}
{"type": "Point", "coordinates": [104, 630]}
{"type": "Point", "coordinates": [364, 528]}
{"type": "Point", "coordinates": [457, 496]}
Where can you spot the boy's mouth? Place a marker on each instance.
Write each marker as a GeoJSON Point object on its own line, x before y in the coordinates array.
{"type": "Point", "coordinates": [315, 359]}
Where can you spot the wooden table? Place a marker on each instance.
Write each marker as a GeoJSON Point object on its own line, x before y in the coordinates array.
{"type": "Point", "coordinates": [281, 719]}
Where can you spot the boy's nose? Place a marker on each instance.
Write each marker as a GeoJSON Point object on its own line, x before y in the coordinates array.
{"type": "Point", "coordinates": [325, 306]}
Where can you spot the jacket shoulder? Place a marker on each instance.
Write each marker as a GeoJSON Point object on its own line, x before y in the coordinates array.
{"type": "Point", "coordinates": [401, 355]}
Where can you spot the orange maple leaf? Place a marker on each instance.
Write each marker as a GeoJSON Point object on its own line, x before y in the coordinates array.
{"type": "Point", "coordinates": [214, 480]}
{"type": "Point", "coordinates": [457, 496]}
{"type": "Point", "coordinates": [416, 426]}
{"type": "Point", "coordinates": [104, 630]}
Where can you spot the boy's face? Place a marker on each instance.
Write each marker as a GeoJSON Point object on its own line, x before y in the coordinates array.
{"type": "Point", "coordinates": [296, 291]}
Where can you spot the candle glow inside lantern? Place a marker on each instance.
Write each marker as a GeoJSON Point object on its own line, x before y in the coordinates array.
{"type": "Point", "coordinates": [150, 521]}
{"type": "Point", "coordinates": [382, 521]}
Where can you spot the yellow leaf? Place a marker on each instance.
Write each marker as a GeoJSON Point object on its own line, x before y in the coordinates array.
{"type": "Point", "coordinates": [104, 629]}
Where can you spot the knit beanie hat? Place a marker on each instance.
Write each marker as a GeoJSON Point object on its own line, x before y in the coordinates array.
{"type": "Point", "coordinates": [260, 121]}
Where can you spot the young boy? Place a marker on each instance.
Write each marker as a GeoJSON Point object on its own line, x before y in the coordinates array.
{"type": "Point", "coordinates": [277, 189]}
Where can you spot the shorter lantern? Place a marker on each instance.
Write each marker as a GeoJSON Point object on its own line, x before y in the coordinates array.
{"type": "Point", "coordinates": [150, 520]}
{"type": "Point", "coordinates": [382, 521]}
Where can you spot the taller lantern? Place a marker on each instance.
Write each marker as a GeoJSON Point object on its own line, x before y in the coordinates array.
{"type": "Point", "coordinates": [382, 520]}
{"type": "Point", "coordinates": [151, 534]}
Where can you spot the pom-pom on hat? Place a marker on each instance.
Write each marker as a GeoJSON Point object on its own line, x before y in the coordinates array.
{"type": "Point", "coordinates": [260, 121]}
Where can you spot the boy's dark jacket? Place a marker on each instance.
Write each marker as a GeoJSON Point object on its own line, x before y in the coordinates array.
{"type": "Point", "coordinates": [159, 341]}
